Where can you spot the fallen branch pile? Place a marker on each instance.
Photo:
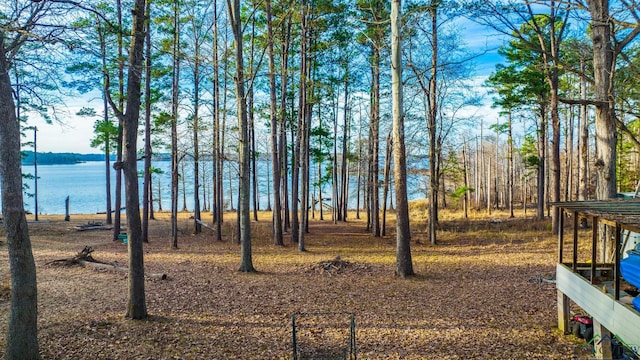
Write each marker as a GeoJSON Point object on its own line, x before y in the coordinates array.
{"type": "Point", "coordinates": [84, 258]}
{"type": "Point", "coordinates": [337, 265]}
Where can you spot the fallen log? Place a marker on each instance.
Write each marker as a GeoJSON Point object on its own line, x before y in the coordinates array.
{"type": "Point", "coordinates": [205, 225]}
{"type": "Point", "coordinates": [115, 267]}
{"type": "Point", "coordinates": [84, 258]}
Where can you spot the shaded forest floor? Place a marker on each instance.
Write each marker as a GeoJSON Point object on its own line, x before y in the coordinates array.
{"type": "Point", "coordinates": [472, 297]}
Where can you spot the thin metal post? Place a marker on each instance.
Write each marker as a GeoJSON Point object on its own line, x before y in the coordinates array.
{"type": "Point", "coordinates": [353, 337]}
{"type": "Point", "coordinates": [293, 334]}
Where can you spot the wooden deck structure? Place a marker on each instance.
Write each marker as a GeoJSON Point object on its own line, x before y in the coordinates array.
{"type": "Point", "coordinates": [581, 282]}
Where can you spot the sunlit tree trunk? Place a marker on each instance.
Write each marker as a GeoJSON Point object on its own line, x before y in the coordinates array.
{"type": "Point", "coordinates": [542, 151]}
{"type": "Point", "coordinates": [301, 143]}
{"type": "Point", "coordinates": [136, 307]}
{"type": "Point", "coordinates": [146, 189]}
{"type": "Point", "coordinates": [105, 109]}
{"type": "Point", "coordinates": [218, 200]}
{"type": "Point", "coordinates": [174, 124]}
{"type": "Point", "coordinates": [22, 334]}
{"type": "Point", "coordinates": [246, 264]}
{"type": "Point", "coordinates": [385, 181]}
{"type": "Point", "coordinates": [375, 143]}
{"type": "Point", "coordinates": [433, 110]}
{"type": "Point", "coordinates": [404, 264]}
{"type": "Point", "coordinates": [275, 157]}
{"type": "Point", "coordinates": [119, 146]}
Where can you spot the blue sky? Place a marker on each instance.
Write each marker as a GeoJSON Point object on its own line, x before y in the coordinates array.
{"type": "Point", "coordinates": [75, 134]}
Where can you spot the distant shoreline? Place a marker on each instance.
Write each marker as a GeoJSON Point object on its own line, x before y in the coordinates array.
{"type": "Point", "coordinates": [49, 158]}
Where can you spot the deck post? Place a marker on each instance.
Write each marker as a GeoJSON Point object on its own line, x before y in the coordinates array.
{"type": "Point", "coordinates": [560, 235]}
{"type": "Point", "coordinates": [594, 246]}
{"type": "Point", "coordinates": [616, 264]}
{"type": "Point", "coordinates": [564, 312]}
{"type": "Point", "coordinates": [601, 341]}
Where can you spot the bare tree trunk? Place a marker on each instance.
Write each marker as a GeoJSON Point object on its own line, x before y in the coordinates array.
{"type": "Point", "coordinates": [118, 169]}
{"type": "Point", "coordinates": [375, 143]}
{"type": "Point", "coordinates": [137, 308]}
{"type": "Point", "coordinates": [359, 178]}
{"type": "Point", "coordinates": [107, 146]}
{"type": "Point", "coordinates": [606, 140]}
{"type": "Point", "coordinates": [22, 334]}
{"type": "Point", "coordinates": [275, 157]}
{"type": "Point", "coordinates": [433, 108]}
{"type": "Point", "coordinates": [542, 151]}
{"type": "Point", "coordinates": [146, 187]}
{"type": "Point", "coordinates": [284, 160]}
{"type": "Point", "coordinates": [385, 189]}
{"type": "Point", "coordinates": [218, 198]}
{"type": "Point", "coordinates": [245, 180]}
{"type": "Point", "coordinates": [252, 132]}
{"type": "Point", "coordinates": [344, 193]}
{"type": "Point", "coordinates": [174, 125]}
{"type": "Point", "coordinates": [302, 141]}
{"type": "Point", "coordinates": [510, 176]}
{"type": "Point", "coordinates": [196, 144]}
{"type": "Point", "coordinates": [404, 264]}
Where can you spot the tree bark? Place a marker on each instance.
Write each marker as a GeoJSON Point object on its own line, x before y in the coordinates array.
{"type": "Point", "coordinates": [218, 202]}
{"type": "Point", "coordinates": [174, 125]}
{"type": "Point", "coordinates": [136, 309]}
{"type": "Point", "coordinates": [22, 335]}
{"type": "Point", "coordinates": [196, 144]}
{"type": "Point", "coordinates": [146, 189]}
{"type": "Point", "coordinates": [433, 111]}
{"type": "Point", "coordinates": [606, 141]}
{"type": "Point", "coordinates": [375, 142]}
{"type": "Point", "coordinates": [118, 200]}
{"type": "Point", "coordinates": [404, 264]}
{"type": "Point", "coordinates": [275, 158]}
{"type": "Point", "coordinates": [386, 177]}
{"type": "Point", "coordinates": [246, 264]}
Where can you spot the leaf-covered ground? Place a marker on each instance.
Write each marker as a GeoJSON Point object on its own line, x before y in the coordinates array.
{"type": "Point", "coordinates": [472, 298]}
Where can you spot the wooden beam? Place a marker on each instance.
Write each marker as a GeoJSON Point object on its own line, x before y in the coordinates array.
{"type": "Point", "coordinates": [601, 341]}
{"type": "Point", "coordinates": [561, 234]}
{"type": "Point", "coordinates": [564, 313]}
{"type": "Point", "coordinates": [594, 245]}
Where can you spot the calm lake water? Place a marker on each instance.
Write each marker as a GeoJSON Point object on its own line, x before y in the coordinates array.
{"type": "Point", "coordinates": [85, 185]}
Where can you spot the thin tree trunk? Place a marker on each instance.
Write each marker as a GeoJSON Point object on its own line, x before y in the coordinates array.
{"type": "Point", "coordinates": [107, 146]}
{"type": "Point", "coordinates": [174, 125]}
{"type": "Point", "coordinates": [344, 194]}
{"type": "Point", "coordinates": [298, 226]}
{"type": "Point", "coordinates": [218, 198]}
{"type": "Point", "coordinates": [118, 199]}
{"type": "Point", "coordinates": [433, 175]}
{"type": "Point", "coordinates": [252, 132]}
{"type": "Point", "coordinates": [375, 143]}
{"type": "Point", "coordinates": [510, 163]}
{"type": "Point", "coordinates": [196, 145]}
{"type": "Point", "coordinates": [386, 176]}
{"type": "Point", "coordinates": [542, 149]}
{"type": "Point", "coordinates": [275, 158]}
{"type": "Point", "coordinates": [146, 186]}
{"type": "Point", "coordinates": [136, 308]}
